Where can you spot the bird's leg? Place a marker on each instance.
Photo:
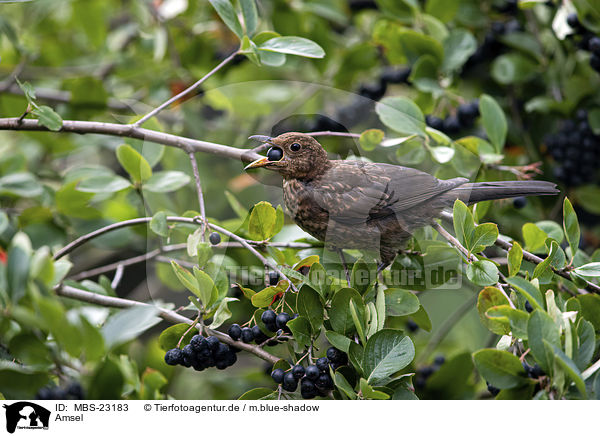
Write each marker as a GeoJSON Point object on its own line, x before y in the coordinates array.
{"type": "Point", "coordinates": [345, 265]}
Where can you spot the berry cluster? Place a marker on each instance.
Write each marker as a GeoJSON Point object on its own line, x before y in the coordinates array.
{"type": "Point", "coordinates": [202, 353]}
{"type": "Point", "coordinates": [587, 40]}
{"type": "Point", "coordinates": [315, 380]}
{"type": "Point", "coordinates": [534, 372]}
{"type": "Point", "coordinates": [492, 46]}
{"type": "Point", "coordinates": [465, 117]}
{"type": "Point", "coordinates": [576, 151]}
{"type": "Point", "coordinates": [72, 392]}
{"type": "Point", "coordinates": [427, 371]}
{"type": "Point", "coordinates": [276, 323]}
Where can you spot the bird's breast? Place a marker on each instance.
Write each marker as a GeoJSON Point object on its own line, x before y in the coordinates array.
{"type": "Point", "coordinates": [301, 205]}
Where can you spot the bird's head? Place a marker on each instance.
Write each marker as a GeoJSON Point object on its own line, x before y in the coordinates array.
{"type": "Point", "coordinates": [293, 155]}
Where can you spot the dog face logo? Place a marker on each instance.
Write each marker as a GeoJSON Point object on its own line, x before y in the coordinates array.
{"type": "Point", "coordinates": [26, 415]}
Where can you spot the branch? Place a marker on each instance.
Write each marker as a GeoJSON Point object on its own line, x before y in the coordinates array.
{"type": "Point", "coordinates": [199, 192]}
{"type": "Point", "coordinates": [129, 131]}
{"type": "Point", "coordinates": [136, 221]}
{"type": "Point", "coordinates": [185, 91]}
{"type": "Point", "coordinates": [331, 133]}
{"type": "Point", "coordinates": [530, 257]}
{"type": "Point", "coordinates": [167, 315]}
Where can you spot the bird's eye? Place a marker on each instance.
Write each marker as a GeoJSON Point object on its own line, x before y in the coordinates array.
{"type": "Point", "coordinates": [295, 146]}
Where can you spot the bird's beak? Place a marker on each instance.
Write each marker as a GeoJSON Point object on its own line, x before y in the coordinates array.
{"type": "Point", "coordinates": [258, 163]}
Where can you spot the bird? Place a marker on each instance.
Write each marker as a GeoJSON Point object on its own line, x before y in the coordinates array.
{"type": "Point", "coordinates": [352, 204]}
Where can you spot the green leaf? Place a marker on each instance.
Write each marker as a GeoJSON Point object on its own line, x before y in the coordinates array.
{"type": "Point", "coordinates": [223, 313]}
{"type": "Point", "coordinates": [166, 181]}
{"type": "Point", "coordinates": [444, 10]}
{"type": "Point", "coordinates": [513, 68]}
{"type": "Point", "coordinates": [494, 121]}
{"type": "Point", "coordinates": [594, 120]}
{"type": "Point", "coordinates": [107, 382]}
{"type": "Point", "coordinates": [411, 152]}
{"type": "Point", "coordinates": [339, 314]}
{"type": "Point", "coordinates": [300, 328]}
{"type": "Point", "coordinates": [541, 328]}
{"type": "Point", "coordinates": [482, 272]}
{"type": "Point", "coordinates": [492, 297]}
{"type": "Point", "coordinates": [358, 321]}
{"type": "Point", "coordinates": [170, 336]}
{"type": "Point", "coordinates": [500, 368]}
{"type": "Point", "coordinates": [186, 278]}
{"type": "Point", "coordinates": [484, 236]}
{"type": "Point", "coordinates": [256, 394]}
{"type": "Point", "coordinates": [134, 163]}
{"type": "Point", "coordinates": [587, 344]}
{"type": "Point", "coordinates": [206, 286]}
{"type": "Point", "coordinates": [534, 237]}
{"type": "Point", "coordinates": [387, 351]}
{"type": "Point", "coordinates": [293, 45]}
{"type": "Point", "coordinates": [452, 379]}
{"type": "Point", "coordinates": [515, 257]}
{"type": "Point", "coordinates": [159, 225]}
{"type": "Point", "coordinates": [128, 324]}
{"type": "Point", "coordinates": [262, 222]}
{"type": "Point", "coordinates": [265, 297]}
{"type": "Point", "coordinates": [591, 269]}
{"type": "Point", "coordinates": [21, 185]}
{"type": "Point", "coordinates": [369, 393]}
{"type": "Point", "coordinates": [235, 205]}
{"type": "Point", "coordinates": [464, 225]}
{"type": "Point", "coordinates": [590, 309]}
{"type": "Point", "coordinates": [338, 340]}
{"type": "Point", "coordinates": [571, 226]}
{"type": "Point", "coordinates": [528, 291]}
{"type": "Point", "coordinates": [309, 306]}
{"type": "Point", "coordinates": [399, 302]}
{"type": "Point", "coordinates": [103, 184]}
{"type": "Point", "coordinates": [402, 115]}
{"type": "Point", "coordinates": [422, 319]}
{"type": "Point", "coordinates": [48, 118]}
{"type": "Point", "coordinates": [250, 15]}
{"type": "Point", "coordinates": [17, 266]}
{"type": "Point", "coordinates": [74, 203]}
{"type": "Point", "coordinates": [225, 10]}
{"type": "Point", "coordinates": [517, 319]}
{"type": "Point", "coordinates": [543, 266]}
{"type": "Point", "coordinates": [458, 47]}
{"type": "Point", "coordinates": [343, 385]}
{"type": "Point", "coordinates": [28, 91]}
{"type": "Point", "coordinates": [568, 366]}
{"type": "Point", "coordinates": [370, 139]}
{"type": "Point", "coordinates": [424, 75]}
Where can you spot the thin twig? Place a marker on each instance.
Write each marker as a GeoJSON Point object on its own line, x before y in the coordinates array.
{"type": "Point", "coordinates": [530, 257]}
{"type": "Point", "coordinates": [185, 91]}
{"type": "Point", "coordinates": [345, 265]}
{"type": "Point", "coordinates": [192, 157]}
{"type": "Point", "coordinates": [117, 278]}
{"type": "Point", "coordinates": [128, 131]}
{"type": "Point", "coordinates": [197, 220]}
{"type": "Point", "coordinates": [167, 315]}
{"type": "Point", "coordinates": [442, 231]}
{"type": "Point", "coordinates": [331, 133]}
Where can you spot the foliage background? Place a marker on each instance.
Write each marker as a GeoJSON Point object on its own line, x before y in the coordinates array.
{"type": "Point", "coordinates": [111, 60]}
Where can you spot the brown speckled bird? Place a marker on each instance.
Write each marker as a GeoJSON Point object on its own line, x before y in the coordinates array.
{"type": "Point", "coordinates": [355, 204]}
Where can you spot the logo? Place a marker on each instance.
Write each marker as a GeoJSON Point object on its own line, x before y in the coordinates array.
{"type": "Point", "coordinates": [26, 415]}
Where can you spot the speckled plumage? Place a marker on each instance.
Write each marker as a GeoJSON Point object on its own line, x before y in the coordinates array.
{"type": "Point", "coordinates": [375, 206]}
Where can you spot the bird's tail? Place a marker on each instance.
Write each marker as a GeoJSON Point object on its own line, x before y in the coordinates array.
{"type": "Point", "coordinates": [481, 191]}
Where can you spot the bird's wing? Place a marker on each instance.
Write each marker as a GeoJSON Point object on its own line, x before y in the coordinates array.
{"type": "Point", "coordinates": [355, 192]}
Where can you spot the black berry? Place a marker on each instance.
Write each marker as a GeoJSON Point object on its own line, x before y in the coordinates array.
{"type": "Point", "coordinates": [198, 343]}
{"type": "Point", "coordinates": [323, 364]}
{"type": "Point", "coordinates": [492, 389]}
{"type": "Point", "coordinates": [594, 45]}
{"type": "Point", "coordinates": [312, 372]}
{"type": "Point", "coordinates": [434, 122]}
{"type": "Point", "coordinates": [439, 360]}
{"type": "Point", "coordinates": [298, 371]}
{"type": "Point", "coordinates": [277, 375]}
{"type": "Point", "coordinates": [308, 390]}
{"type": "Point", "coordinates": [573, 21]}
{"type": "Point", "coordinates": [324, 382]}
{"type": "Point", "coordinates": [214, 238]}
{"type": "Point", "coordinates": [528, 307]}
{"type": "Point", "coordinates": [289, 384]}
{"type": "Point", "coordinates": [520, 202]}
{"type": "Point", "coordinates": [451, 124]}
{"type": "Point", "coordinates": [235, 332]}
{"type": "Point", "coordinates": [212, 342]}
{"type": "Point", "coordinates": [174, 357]}
{"type": "Point", "coordinates": [247, 335]}
{"type": "Point", "coordinates": [282, 320]}
{"type": "Point", "coordinates": [268, 317]}
{"type": "Point", "coordinates": [335, 356]}
{"type": "Point", "coordinates": [412, 326]}
{"type": "Point", "coordinates": [274, 154]}
{"type": "Point", "coordinates": [273, 278]}
{"type": "Point", "coordinates": [259, 336]}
